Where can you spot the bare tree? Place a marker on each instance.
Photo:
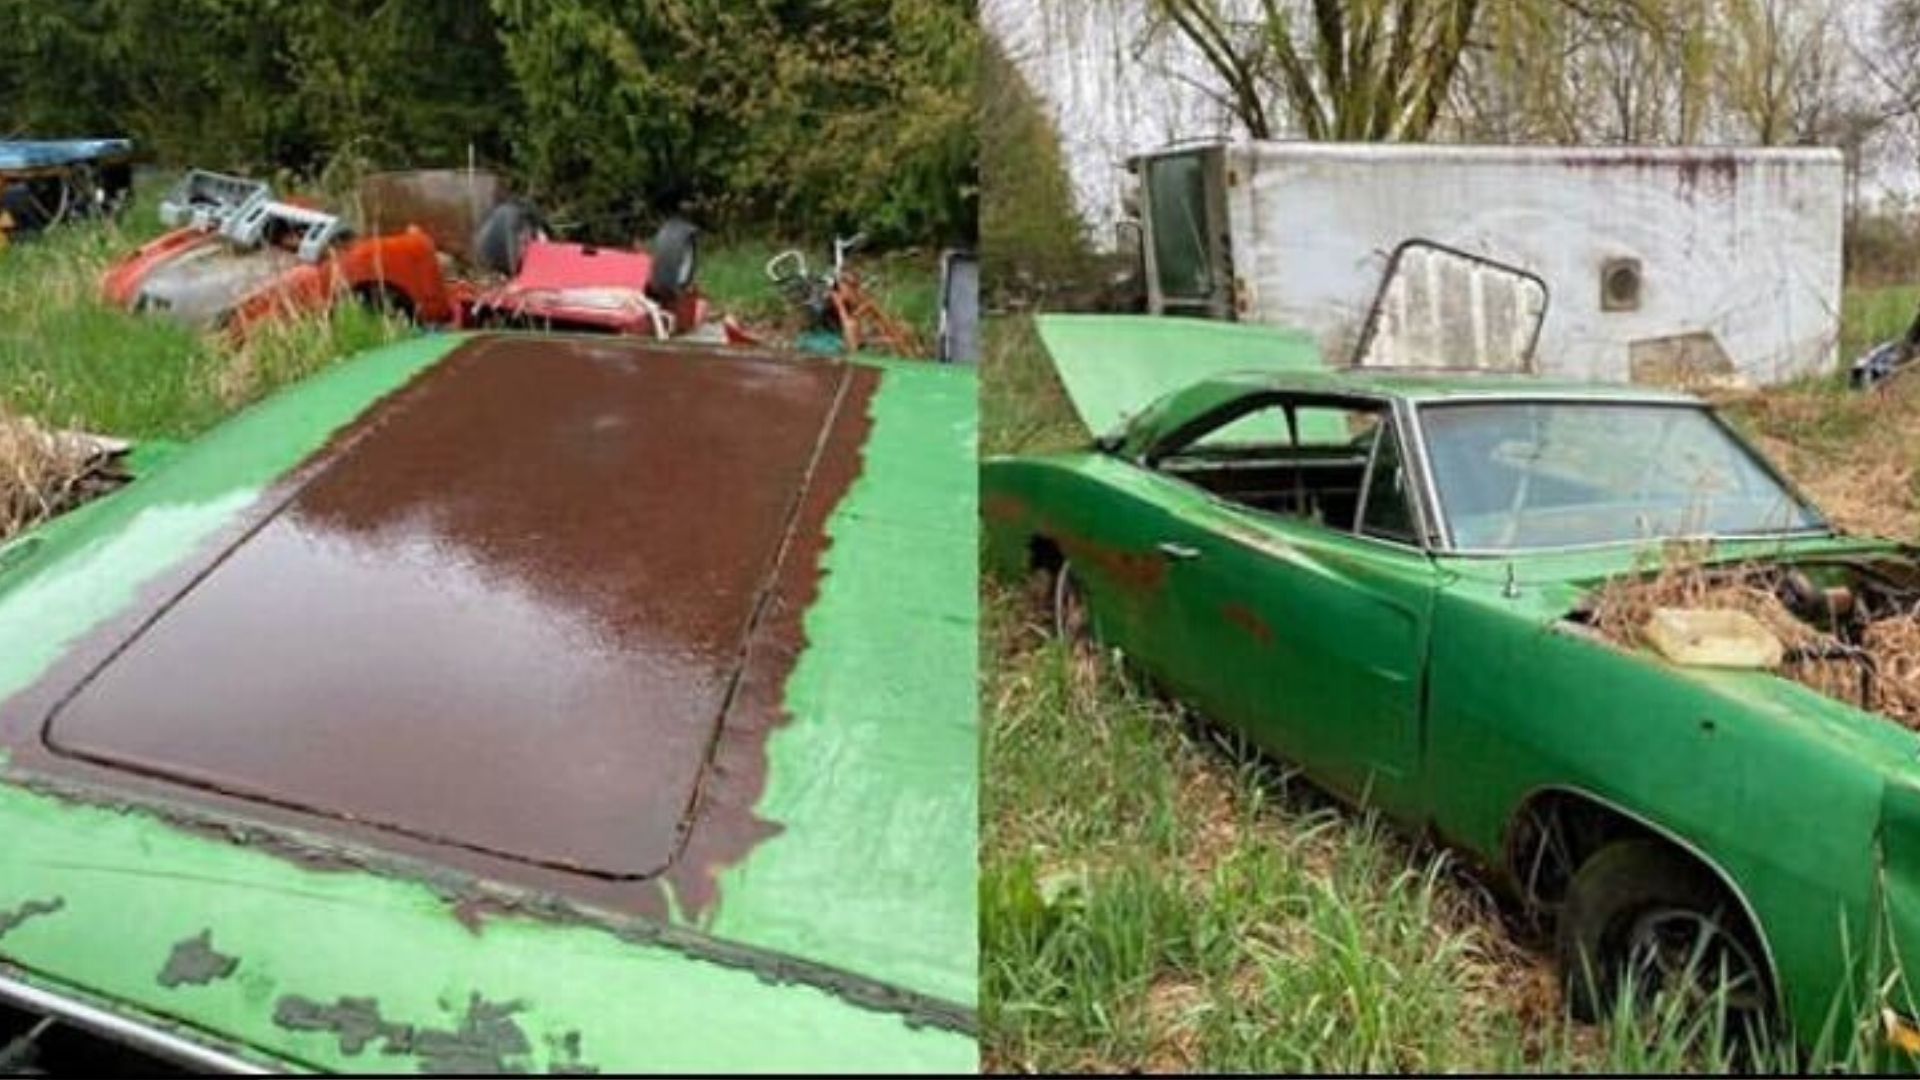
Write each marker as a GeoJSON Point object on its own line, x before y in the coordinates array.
{"type": "Point", "coordinates": [1780, 68]}
{"type": "Point", "coordinates": [1353, 70]}
{"type": "Point", "coordinates": [1589, 71]}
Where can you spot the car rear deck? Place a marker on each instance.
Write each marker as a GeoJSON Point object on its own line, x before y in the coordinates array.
{"type": "Point", "coordinates": [563, 634]}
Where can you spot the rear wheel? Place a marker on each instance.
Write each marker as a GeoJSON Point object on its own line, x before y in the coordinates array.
{"type": "Point", "coordinates": [1642, 918]}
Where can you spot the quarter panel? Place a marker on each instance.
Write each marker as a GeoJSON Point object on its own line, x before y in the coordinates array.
{"type": "Point", "coordinates": [1722, 762]}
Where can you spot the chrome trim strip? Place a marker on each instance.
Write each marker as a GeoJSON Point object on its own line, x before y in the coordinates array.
{"type": "Point", "coordinates": [1602, 394]}
{"type": "Point", "coordinates": [1652, 543]}
{"type": "Point", "coordinates": [1439, 534]}
{"type": "Point", "coordinates": [130, 1033]}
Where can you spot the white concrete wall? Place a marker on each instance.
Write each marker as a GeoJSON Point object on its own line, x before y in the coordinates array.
{"type": "Point", "coordinates": [1111, 88]}
{"type": "Point", "coordinates": [1742, 243]}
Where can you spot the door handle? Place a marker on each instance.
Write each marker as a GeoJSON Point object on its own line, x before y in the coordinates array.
{"type": "Point", "coordinates": [1177, 551]}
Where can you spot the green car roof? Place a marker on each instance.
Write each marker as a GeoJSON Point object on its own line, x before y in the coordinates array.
{"type": "Point", "coordinates": [200, 844]}
{"type": "Point", "coordinates": [1125, 372]}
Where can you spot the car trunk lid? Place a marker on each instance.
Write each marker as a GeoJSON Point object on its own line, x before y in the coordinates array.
{"type": "Point", "coordinates": [1114, 366]}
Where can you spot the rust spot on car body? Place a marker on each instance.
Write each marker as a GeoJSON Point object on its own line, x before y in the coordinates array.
{"type": "Point", "coordinates": [1249, 621]}
{"type": "Point", "coordinates": [1003, 508]}
{"type": "Point", "coordinates": [1132, 571]}
{"type": "Point", "coordinates": [530, 617]}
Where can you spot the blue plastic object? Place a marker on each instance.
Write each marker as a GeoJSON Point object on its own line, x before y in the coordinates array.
{"type": "Point", "coordinates": [21, 155]}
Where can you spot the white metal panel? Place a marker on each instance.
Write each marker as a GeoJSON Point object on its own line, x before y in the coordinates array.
{"type": "Point", "coordinates": [1742, 244]}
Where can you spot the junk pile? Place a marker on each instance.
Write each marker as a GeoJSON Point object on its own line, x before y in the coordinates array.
{"type": "Point", "coordinates": [842, 316]}
{"type": "Point", "coordinates": [44, 473]}
{"type": "Point", "coordinates": [1848, 628]}
{"type": "Point", "coordinates": [440, 247]}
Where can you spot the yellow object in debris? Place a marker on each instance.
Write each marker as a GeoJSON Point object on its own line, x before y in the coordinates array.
{"type": "Point", "coordinates": [1711, 638]}
{"type": "Point", "coordinates": [1900, 1032]}
{"type": "Point", "coordinates": [6, 227]}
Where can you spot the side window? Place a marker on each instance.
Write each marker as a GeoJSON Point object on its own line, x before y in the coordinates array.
{"type": "Point", "coordinates": [1319, 425]}
{"type": "Point", "coordinates": [1388, 513]}
{"type": "Point", "coordinates": [1300, 458]}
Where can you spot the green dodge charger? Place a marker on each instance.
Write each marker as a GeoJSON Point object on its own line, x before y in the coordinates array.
{"type": "Point", "coordinates": [1387, 579]}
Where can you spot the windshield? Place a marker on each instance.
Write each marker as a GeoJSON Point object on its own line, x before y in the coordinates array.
{"type": "Point", "coordinates": [1515, 475]}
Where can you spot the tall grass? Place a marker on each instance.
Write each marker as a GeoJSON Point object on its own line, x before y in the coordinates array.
{"type": "Point", "coordinates": [70, 360]}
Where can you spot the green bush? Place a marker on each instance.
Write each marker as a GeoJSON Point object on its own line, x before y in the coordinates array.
{"type": "Point", "coordinates": [802, 115]}
{"type": "Point", "coordinates": [789, 115]}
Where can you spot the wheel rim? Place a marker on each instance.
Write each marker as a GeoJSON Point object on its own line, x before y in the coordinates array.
{"type": "Point", "coordinates": [53, 213]}
{"type": "Point", "coordinates": [1689, 953]}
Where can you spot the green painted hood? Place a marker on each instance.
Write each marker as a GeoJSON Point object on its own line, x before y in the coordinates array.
{"type": "Point", "coordinates": [843, 941]}
{"type": "Point", "coordinates": [1114, 366]}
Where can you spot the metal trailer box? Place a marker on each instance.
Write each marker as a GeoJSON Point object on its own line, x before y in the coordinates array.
{"type": "Point", "coordinates": [1695, 266]}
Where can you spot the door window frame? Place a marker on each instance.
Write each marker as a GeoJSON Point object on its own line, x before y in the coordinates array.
{"type": "Point", "coordinates": [1396, 415]}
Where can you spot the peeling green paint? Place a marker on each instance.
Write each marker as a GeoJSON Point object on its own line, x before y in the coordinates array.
{"type": "Point", "coordinates": [10, 920]}
{"type": "Point", "coordinates": [324, 936]}
{"type": "Point", "coordinates": [195, 962]}
{"type": "Point", "coordinates": [875, 779]}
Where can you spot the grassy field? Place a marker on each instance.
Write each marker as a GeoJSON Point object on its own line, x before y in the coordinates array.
{"type": "Point", "coordinates": [71, 361]}
{"type": "Point", "coordinates": [1153, 897]}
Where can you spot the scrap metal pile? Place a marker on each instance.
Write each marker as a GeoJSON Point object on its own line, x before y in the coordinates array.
{"type": "Point", "coordinates": [1847, 628]}
{"type": "Point", "coordinates": [436, 246]}
{"type": "Point", "coordinates": [440, 247]}
{"type": "Point", "coordinates": [452, 247]}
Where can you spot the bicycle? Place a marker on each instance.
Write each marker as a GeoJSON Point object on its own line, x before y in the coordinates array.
{"type": "Point", "coordinates": [837, 301]}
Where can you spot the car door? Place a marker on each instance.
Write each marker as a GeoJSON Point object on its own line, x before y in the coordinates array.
{"type": "Point", "coordinates": [1309, 636]}
{"type": "Point", "coordinates": [1107, 525]}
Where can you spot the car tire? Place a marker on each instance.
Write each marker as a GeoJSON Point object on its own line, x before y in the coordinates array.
{"type": "Point", "coordinates": [383, 299]}
{"type": "Point", "coordinates": [1638, 906]}
{"type": "Point", "coordinates": [501, 242]}
{"type": "Point", "coordinates": [675, 251]}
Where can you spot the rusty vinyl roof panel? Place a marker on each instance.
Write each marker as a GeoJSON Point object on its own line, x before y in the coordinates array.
{"type": "Point", "coordinates": [503, 612]}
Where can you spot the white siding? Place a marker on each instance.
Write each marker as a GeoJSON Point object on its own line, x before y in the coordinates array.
{"type": "Point", "coordinates": [1745, 244]}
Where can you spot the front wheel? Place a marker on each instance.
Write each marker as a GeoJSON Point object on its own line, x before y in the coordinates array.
{"type": "Point", "coordinates": [1642, 919]}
